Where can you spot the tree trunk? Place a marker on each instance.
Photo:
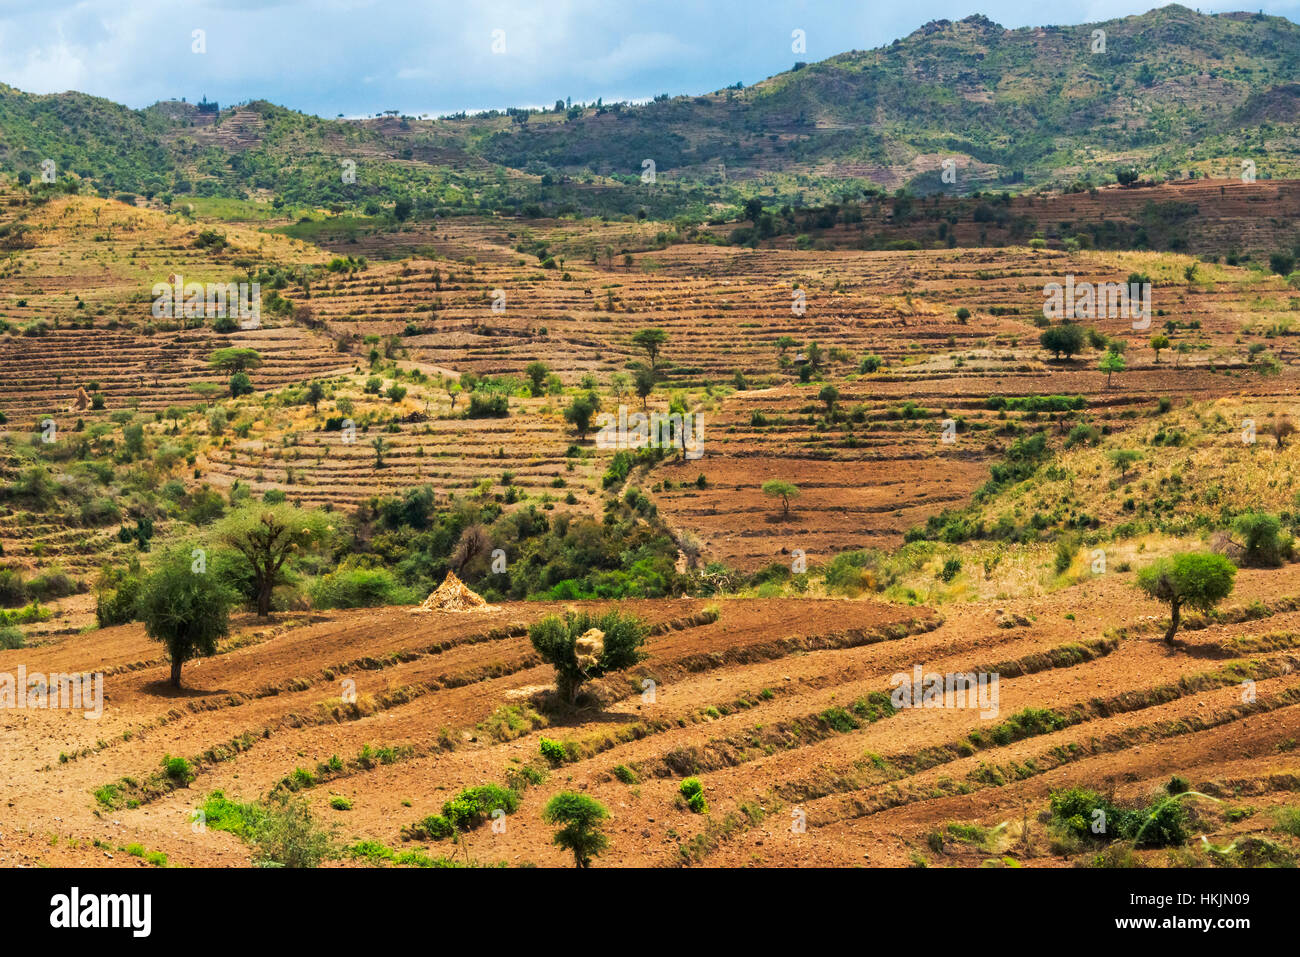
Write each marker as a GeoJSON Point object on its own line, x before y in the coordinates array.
{"type": "Point", "coordinates": [1173, 622]}
{"type": "Point", "coordinates": [176, 672]}
{"type": "Point", "coordinates": [264, 599]}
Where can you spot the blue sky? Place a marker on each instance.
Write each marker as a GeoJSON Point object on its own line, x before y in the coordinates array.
{"type": "Point", "coordinates": [358, 57]}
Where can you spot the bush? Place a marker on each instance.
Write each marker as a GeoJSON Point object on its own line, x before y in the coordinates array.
{"type": "Point", "coordinates": [693, 791]}
{"type": "Point", "coordinates": [53, 584]}
{"type": "Point", "coordinates": [553, 751]}
{"type": "Point", "coordinates": [487, 406]}
{"type": "Point", "coordinates": [359, 588]}
{"type": "Point", "coordinates": [340, 803]}
{"type": "Point", "coordinates": [288, 837]}
{"type": "Point", "coordinates": [13, 590]}
{"type": "Point", "coordinates": [116, 595]}
{"type": "Point", "coordinates": [473, 806]}
{"type": "Point", "coordinates": [1261, 536]}
{"type": "Point", "coordinates": [11, 637]}
{"type": "Point", "coordinates": [178, 769]}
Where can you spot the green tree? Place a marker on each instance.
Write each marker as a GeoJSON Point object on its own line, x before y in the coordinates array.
{"type": "Point", "coordinates": [240, 384]}
{"type": "Point", "coordinates": [267, 536]}
{"type": "Point", "coordinates": [315, 392]}
{"type": "Point", "coordinates": [580, 411]}
{"type": "Point", "coordinates": [1159, 342]}
{"type": "Point", "coordinates": [235, 359]}
{"type": "Point", "coordinates": [1199, 580]}
{"type": "Point", "coordinates": [644, 383]}
{"type": "Point", "coordinates": [785, 490]}
{"type": "Point", "coordinates": [830, 395]}
{"type": "Point", "coordinates": [1111, 363]}
{"type": "Point", "coordinates": [556, 640]}
{"type": "Point", "coordinates": [580, 818]}
{"type": "Point", "coordinates": [785, 342]}
{"type": "Point", "coordinates": [184, 606]}
{"type": "Point", "coordinates": [380, 446]}
{"type": "Point", "coordinates": [652, 341]}
{"type": "Point", "coordinates": [1122, 459]}
{"type": "Point", "coordinates": [537, 373]}
{"type": "Point", "coordinates": [1065, 339]}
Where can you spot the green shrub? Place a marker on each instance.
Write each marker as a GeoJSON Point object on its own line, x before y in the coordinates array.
{"type": "Point", "coordinates": [11, 637]}
{"type": "Point", "coordinates": [359, 588]}
{"type": "Point", "coordinates": [178, 769]}
{"type": "Point", "coordinates": [553, 751]}
{"type": "Point", "coordinates": [693, 791]}
{"type": "Point", "coordinates": [288, 837]}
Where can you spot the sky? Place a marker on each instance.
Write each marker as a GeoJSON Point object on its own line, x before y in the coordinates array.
{"type": "Point", "coordinates": [359, 57]}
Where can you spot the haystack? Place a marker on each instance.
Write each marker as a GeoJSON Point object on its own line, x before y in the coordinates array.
{"type": "Point", "coordinates": [453, 595]}
{"type": "Point", "coordinates": [588, 648]}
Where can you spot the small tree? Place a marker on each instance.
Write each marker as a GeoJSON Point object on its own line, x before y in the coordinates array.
{"type": "Point", "coordinates": [1122, 459]}
{"type": "Point", "coordinates": [1283, 429]}
{"type": "Point", "coordinates": [580, 817]}
{"type": "Point", "coordinates": [1065, 339]}
{"type": "Point", "coordinates": [786, 490]}
{"type": "Point", "coordinates": [240, 384]}
{"type": "Point", "coordinates": [267, 536]}
{"type": "Point", "coordinates": [1159, 342]}
{"type": "Point", "coordinates": [235, 359]}
{"type": "Point", "coordinates": [556, 640]}
{"type": "Point", "coordinates": [537, 373]}
{"type": "Point", "coordinates": [579, 413]}
{"type": "Point", "coordinates": [184, 607]}
{"type": "Point", "coordinates": [1111, 363]}
{"type": "Point", "coordinates": [651, 340]}
{"type": "Point", "coordinates": [380, 446]}
{"type": "Point", "coordinates": [645, 384]}
{"type": "Point", "coordinates": [315, 392]}
{"type": "Point", "coordinates": [829, 395]}
{"type": "Point", "coordinates": [785, 342]}
{"type": "Point", "coordinates": [1198, 579]}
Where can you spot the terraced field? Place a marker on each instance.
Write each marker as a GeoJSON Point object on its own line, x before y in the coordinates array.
{"type": "Point", "coordinates": [755, 697]}
{"type": "Point", "coordinates": [774, 702]}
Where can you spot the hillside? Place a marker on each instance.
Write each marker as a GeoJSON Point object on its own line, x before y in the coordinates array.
{"type": "Point", "coordinates": [1174, 91]}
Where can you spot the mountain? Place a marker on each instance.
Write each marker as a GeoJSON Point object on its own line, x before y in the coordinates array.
{"type": "Point", "coordinates": [1169, 91]}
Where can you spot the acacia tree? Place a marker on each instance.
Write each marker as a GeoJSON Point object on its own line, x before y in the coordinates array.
{"type": "Point", "coordinates": [651, 340]}
{"type": "Point", "coordinates": [185, 607]}
{"type": "Point", "coordinates": [786, 491]}
{"type": "Point", "coordinates": [1198, 579]}
{"type": "Point", "coordinates": [267, 536]}
{"type": "Point", "coordinates": [581, 817]}
{"type": "Point", "coordinates": [235, 359]}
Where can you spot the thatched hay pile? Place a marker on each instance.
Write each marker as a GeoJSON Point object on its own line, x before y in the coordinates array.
{"type": "Point", "coordinates": [453, 595]}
